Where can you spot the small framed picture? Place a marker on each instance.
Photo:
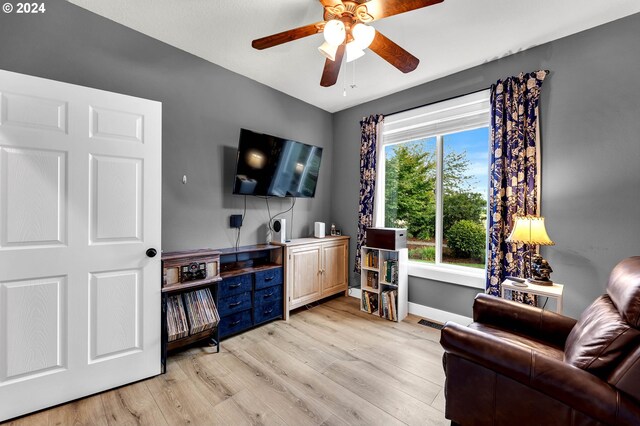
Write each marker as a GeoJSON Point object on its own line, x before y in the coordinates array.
{"type": "Point", "coordinates": [338, 232]}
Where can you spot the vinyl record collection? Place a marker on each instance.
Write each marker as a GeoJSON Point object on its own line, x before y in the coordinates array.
{"type": "Point", "coordinates": [191, 313]}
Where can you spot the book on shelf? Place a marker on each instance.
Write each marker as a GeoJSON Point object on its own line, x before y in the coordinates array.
{"type": "Point", "coordinates": [384, 308]}
{"type": "Point", "coordinates": [393, 299]}
{"type": "Point", "coordinates": [390, 271]}
{"type": "Point", "coordinates": [372, 279]}
{"type": "Point", "coordinates": [191, 313]}
{"type": "Point", "coordinates": [369, 301]}
{"type": "Point", "coordinates": [389, 302]}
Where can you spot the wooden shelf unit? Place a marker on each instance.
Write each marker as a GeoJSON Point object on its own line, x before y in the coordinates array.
{"type": "Point", "coordinates": [384, 283]}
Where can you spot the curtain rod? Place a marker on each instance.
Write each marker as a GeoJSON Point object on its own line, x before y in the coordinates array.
{"type": "Point", "coordinates": [444, 100]}
{"type": "Point", "coordinates": [436, 102]}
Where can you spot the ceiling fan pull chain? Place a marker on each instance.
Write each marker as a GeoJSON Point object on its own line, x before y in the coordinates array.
{"type": "Point", "coordinates": [353, 83]}
{"type": "Point", "coordinates": [344, 79]}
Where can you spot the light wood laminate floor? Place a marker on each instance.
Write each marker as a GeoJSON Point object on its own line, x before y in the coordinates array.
{"type": "Point", "coordinates": [329, 365]}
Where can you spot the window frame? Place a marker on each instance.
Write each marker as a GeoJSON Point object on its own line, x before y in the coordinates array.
{"type": "Point", "coordinates": [445, 115]}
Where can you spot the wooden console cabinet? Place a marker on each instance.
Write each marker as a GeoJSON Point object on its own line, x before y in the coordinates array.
{"type": "Point", "coordinates": [314, 269]}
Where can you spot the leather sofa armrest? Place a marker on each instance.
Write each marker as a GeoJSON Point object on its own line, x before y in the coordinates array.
{"type": "Point", "coordinates": [529, 320]}
{"type": "Point", "coordinates": [566, 383]}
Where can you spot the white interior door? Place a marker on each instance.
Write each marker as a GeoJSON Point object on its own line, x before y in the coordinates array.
{"type": "Point", "coordinates": [79, 206]}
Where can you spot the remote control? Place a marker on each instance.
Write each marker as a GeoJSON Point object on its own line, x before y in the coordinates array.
{"type": "Point", "coordinates": [516, 279]}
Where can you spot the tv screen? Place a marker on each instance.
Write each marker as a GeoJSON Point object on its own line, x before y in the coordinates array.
{"type": "Point", "coordinates": [271, 166]}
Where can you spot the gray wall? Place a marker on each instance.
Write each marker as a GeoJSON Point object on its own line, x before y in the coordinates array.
{"type": "Point", "coordinates": [590, 129]}
{"type": "Point", "coordinates": [204, 107]}
{"type": "Point", "coordinates": [590, 156]}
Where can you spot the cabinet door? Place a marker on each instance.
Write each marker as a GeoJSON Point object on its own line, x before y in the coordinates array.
{"type": "Point", "coordinates": [304, 275]}
{"type": "Point", "coordinates": [334, 270]}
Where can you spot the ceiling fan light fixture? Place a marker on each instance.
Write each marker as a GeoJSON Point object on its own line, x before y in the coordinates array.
{"type": "Point", "coordinates": [363, 35]}
{"type": "Point", "coordinates": [354, 51]}
{"type": "Point", "coordinates": [328, 50]}
{"type": "Point", "coordinates": [335, 32]}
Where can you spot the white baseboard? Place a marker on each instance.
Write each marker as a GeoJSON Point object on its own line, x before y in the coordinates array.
{"type": "Point", "coordinates": [437, 314]}
{"type": "Point", "coordinates": [425, 311]}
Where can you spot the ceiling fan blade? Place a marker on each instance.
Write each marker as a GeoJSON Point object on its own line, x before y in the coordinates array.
{"type": "Point", "coordinates": [379, 9]}
{"type": "Point", "coordinates": [287, 36]}
{"type": "Point", "coordinates": [332, 69]}
{"type": "Point", "coordinates": [394, 54]}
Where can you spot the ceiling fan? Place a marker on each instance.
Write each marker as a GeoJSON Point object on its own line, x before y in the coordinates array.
{"type": "Point", "coordinates": [345, 29]}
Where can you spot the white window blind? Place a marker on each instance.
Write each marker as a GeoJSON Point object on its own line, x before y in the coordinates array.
{"type": "Point", "coordinates": [454, 115]}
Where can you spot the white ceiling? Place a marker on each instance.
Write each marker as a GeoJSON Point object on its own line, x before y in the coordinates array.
{"type": "Point", "coordinates": [447, 38]}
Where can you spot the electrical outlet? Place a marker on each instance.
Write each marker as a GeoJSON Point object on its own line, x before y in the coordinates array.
{"type": "Point", "coordinates": [235, 221]}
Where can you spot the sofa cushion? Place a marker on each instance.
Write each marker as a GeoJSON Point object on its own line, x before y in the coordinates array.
{"type": "Point", "coordinates": [624, 289]}
{"type": "Point", "coordinates": [600, 339]}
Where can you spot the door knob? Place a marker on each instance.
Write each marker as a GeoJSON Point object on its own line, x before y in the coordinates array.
{"type": "Point", "coordinates": [151, 252]}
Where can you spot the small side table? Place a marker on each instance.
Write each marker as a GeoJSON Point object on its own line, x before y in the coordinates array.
{"type": "Point", "coordinates": [553, 291]}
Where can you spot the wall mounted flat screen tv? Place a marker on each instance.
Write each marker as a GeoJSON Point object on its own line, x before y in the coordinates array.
{"type": "Point", "coordinates": [271, 166]}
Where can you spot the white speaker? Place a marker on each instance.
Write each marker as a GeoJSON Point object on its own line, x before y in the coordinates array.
{"type": "Point", "coordinates": [279, 227]}
{"type": "Point", "coordinates": [318, 230]}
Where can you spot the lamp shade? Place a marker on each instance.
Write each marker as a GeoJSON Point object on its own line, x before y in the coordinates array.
{"type": "Point", "coordinates": [334, 32]}
{"type": "Point", "coordinates": [354, 51]}
{"type": "Point", "coordinates": [363, 35]}
{"type": "Point", "coordinates": [529, 230]}
{"type": "Point", "coordinates": [328, 50]}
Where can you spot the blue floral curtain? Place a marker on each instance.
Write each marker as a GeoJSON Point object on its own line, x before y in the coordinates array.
{"type": "Point", "coordinates": [370, 129]}
{"type": "Point", "coordinates": [513, 188]}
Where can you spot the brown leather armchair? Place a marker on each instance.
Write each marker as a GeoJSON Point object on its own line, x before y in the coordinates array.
{"type": "Point", "coordinates": [521, 365]}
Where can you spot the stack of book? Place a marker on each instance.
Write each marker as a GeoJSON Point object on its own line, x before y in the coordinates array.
{"type": "Point", "coordinates": [390, 271]}
{"type": "Point", "coordinates": [177, 326]}
{"type": "Point", "coordinates": [201, 310]}
{"type": "Point", "coordinates": [372, 279]}
{"type": "Point", "coordinates": [369, 302]}
{"type": "Point", "coordinates": [389, 301]}
{"type": "Point", "coordinates": [371, 259]}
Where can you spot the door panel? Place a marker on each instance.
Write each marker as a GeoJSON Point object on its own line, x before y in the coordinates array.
{"type": "Point", "coordinates": [334, 277]}
{"type": "Point", "coordinates": [33, 197]}
{"type": "Point", "coordinates": [115, 316]}
{"type": "Point", "coordinates": [305, 270]}
{"type": "Point", "coordinates": [80, 202]}
{"type": "Point", "coordinates": [33, 315]}
{"type": "Point", "coordinates": [116, 199]}
{"type": "Point", "coordinates": [116, 125]}
{"type": "Point", "coordinates": [33, 112]}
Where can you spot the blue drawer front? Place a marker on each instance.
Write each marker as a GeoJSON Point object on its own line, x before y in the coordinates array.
{"type": "Point", "coordinates": [267, 311]}
{"type": "Point", "coordinates": [268, 295]}
{"type": "Point", "coordinates": [235, 323]}
{"type": "Point", "coordinates": [234, 285]}
{"type": "Point", "coordinates": [268, 278]}
{"type": "Point", "coordinates": [236, 303]}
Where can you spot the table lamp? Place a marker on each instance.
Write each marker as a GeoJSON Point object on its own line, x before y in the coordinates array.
{"type": "Point", "coordinates": [530, 230]}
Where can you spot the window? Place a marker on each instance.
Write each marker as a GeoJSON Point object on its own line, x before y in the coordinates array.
{"type": "Point", "coordinates": [433, 180]}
